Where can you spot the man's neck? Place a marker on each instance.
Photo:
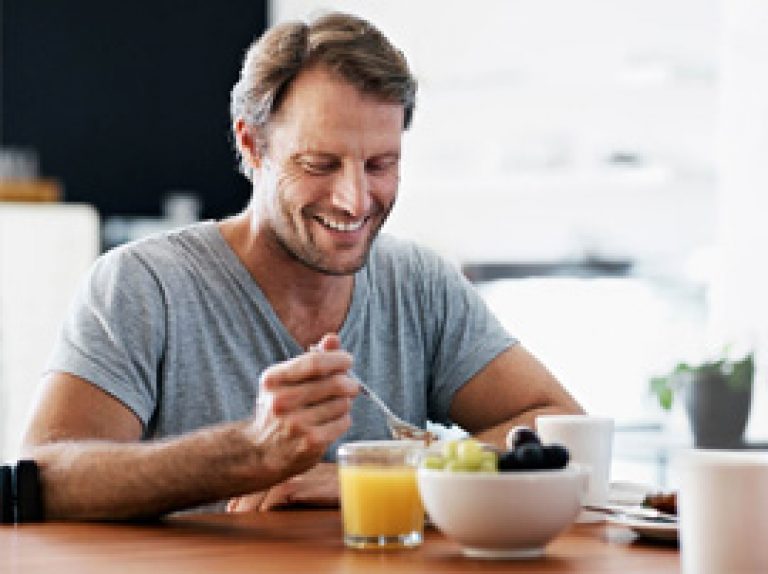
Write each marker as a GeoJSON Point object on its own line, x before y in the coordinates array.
{"type": "Point", "coordinates": [307, 302]}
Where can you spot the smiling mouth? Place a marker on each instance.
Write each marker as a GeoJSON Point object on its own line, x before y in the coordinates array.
{"type": "Point", "coordinates": [340, 225]}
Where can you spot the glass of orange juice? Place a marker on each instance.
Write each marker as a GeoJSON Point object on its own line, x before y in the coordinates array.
{"type": "Point", "coordinates": [380, 503]}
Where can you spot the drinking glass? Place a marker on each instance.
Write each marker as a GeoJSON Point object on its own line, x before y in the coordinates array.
{"type": "Point", "coordinates": [380, 503]}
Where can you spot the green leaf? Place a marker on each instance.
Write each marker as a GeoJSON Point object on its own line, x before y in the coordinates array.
{"type": "Point", "coordinates": [742, 373]}
{"type": "Point", "coordinates": [665, 398]}
{"type": "Point", "coordinates": [660, 386]}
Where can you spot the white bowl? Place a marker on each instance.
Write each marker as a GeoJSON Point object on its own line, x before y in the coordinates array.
{"type": "Point", "coordinates": [504, 515]}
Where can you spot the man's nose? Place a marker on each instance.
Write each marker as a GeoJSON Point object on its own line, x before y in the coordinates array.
{"type": "Point", "coordinates": [351, 191]}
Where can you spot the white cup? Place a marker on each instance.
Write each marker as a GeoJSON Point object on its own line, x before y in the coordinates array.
{"type": "Point", "coordinates": [723, 507]}
{"type": "Point", "coordinates": [589, 441]}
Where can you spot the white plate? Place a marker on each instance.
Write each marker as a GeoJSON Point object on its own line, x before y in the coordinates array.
{"type": "Point", "coordinates": [629, 493]}
{"type": "Point", "coordinates": [647, 528]}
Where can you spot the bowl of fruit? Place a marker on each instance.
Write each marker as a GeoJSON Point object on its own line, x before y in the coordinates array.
{"type": "Point", "coordinates": [501, 504]}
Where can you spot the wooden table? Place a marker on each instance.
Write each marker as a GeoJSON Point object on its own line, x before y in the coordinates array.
{"type": "Point", "coordinates": [295, 541]}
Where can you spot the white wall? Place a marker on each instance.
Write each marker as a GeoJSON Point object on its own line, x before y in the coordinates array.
{"type": "Point", "coordinates": [523, 102]}
{"type": "Point", "coordinates": [740, 298]}
{"type": "Point", "coordinates": [44, 253]}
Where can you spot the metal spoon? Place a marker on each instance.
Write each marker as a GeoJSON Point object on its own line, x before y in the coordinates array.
{"type": "Point", "coordinates": [637, 512]}
{"type": "Point", "coordinates": [399, 428]}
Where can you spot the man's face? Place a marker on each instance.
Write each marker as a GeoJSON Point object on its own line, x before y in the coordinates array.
{"type": "Point", "coordinates": [329, 175]}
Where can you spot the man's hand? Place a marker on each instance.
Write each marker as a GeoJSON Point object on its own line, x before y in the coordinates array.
{"type": "Point", "coordinates": [304, 405]}
{"type": "Point", "coordinates": [319, 486]}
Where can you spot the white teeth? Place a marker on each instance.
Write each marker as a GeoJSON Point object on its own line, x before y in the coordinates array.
{"type": "Point", "coordinates": [339, 226]}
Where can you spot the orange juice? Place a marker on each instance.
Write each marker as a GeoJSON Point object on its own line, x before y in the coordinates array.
{"type": "Point", "coordinates": [380, 502]}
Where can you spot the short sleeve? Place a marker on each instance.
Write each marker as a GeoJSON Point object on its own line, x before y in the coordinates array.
{"type": "Point", "coordinates": [114, 333]}
{"type": "Point", "coordinates": [468, 335]}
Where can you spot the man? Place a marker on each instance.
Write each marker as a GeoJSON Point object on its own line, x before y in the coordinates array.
{"type": "Point", "coordinates": [198, 339]}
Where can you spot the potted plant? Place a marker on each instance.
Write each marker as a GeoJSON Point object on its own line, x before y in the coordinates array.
{"type": "Point", "coordinates": [717, 394]}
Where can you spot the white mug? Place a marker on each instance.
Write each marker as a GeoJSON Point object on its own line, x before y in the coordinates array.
{"type": "Point", "coordinates": [723, 508]}
{"type": "Point", "coordinates": [589, 440]}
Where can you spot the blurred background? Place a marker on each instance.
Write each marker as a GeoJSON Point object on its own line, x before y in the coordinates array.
{"type": "Point", "coordinates": [596, 167]}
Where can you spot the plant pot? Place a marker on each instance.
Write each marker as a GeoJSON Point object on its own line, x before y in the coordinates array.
{"type": "Point", "coordinates": [717, 412]}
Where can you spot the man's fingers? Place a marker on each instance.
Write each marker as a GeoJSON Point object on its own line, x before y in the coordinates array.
{"type": "Point", "coordinates": [246, 503]}
{"type": "Point", "coordinates": [312, 365]}
{"type": "Point", "coordinates": [294, 397]}
{"type": "Point", "coordinates": [278, 495]}
{"type": "Point", "coordinates": [329, 342]}
{"type": "Point", "coordinates": [334, 428]}
{"type": "Point", "coordinates": [303, 406]}
{"type": "Point", "coordinates": [321, 423]}
{"type": "Point", "coordinates": [319, 486]}
{"type": "Point", "coordinates": [292, 493]}
{"type": "Point", "coordinates": [325, 412]}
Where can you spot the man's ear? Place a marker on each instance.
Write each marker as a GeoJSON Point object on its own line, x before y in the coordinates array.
{"type": "Point", "coordinates": [249, 143]}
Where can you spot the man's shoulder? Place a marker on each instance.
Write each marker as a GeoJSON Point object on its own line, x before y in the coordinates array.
{"type": "Point", "coordinates": [161, 252]}
{"type": "Point", "coordinates": [167, 244]}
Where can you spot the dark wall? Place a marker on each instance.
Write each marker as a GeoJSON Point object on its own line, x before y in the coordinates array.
{"type": "Point", "coordinates": [125, 101]}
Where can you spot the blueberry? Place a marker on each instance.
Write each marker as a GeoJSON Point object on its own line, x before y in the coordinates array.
{"type": "Point", "coordinates": [521, 435]}
{"type": "Point", "coordinates": [555, 456]}
{"type": "Point", "coordinates": [507, 461]}
{"type": "Point", "coordinates": [530, 456]}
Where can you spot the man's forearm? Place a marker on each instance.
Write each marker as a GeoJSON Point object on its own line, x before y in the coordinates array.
{"type": "Point", "coordinates": [95, 479]}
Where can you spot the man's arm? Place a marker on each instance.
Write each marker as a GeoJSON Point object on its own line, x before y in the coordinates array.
{"type": "Point", "coordinates": [93, 465]}
{"type": "Point", "coordinates": [511, 390]}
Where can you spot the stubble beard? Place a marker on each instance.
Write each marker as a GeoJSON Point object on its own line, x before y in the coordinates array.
{"type": "Point", "coordinates": [311, 257]}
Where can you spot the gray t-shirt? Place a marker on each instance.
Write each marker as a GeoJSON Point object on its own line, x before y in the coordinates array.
{"type": "Point", "coordinates": [175, 328]}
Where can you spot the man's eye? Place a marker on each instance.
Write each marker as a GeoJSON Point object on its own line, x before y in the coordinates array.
{"type": "Point", "coordinates": [381, 166]}
{"type": "Point", "coordinates": [318, 167]}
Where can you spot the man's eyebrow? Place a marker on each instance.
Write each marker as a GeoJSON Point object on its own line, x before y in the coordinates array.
{"type": "Point", "coordinates": [395, 154]}
{"type": "Point", "coordinates": [298, 156]}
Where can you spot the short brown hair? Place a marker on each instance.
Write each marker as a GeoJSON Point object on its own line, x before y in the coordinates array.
{"type": "Point", "coordinates": [345, 45]}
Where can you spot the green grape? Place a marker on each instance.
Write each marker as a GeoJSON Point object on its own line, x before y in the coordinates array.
{"type": "Point", "coordinates": [449, 449]}
{"type": "Point", "coordinates": [455, 465]}
{"type": "Point", "coordinates": [490, 462]}
{"type": "Point", "coordinates": [470, 453]}
{"type": "Point", "coordinates": [435, 462]}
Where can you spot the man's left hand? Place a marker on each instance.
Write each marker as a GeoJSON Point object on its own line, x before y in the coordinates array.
{"type": "Point", "coordinates": [319, 486]}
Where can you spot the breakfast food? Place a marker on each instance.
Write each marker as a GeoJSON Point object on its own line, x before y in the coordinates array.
{"type": "Point", "coordinates": [526, 452]}
{"type": "Point", "coordinates": [521, 435]}
{"type": "Point", "coordinates": [535, 457]}
{"type": "Point", "coordinates": [662, 501]}
{"type": "Point", "coordinates": [462, 455]}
